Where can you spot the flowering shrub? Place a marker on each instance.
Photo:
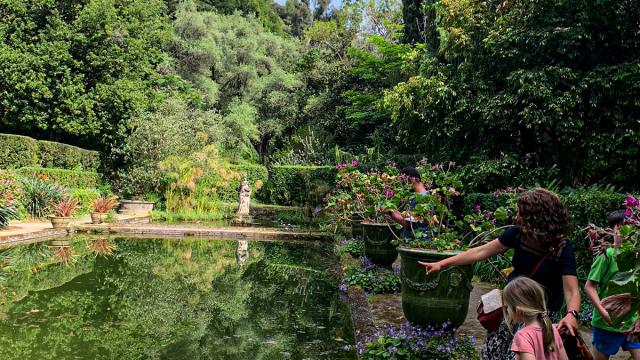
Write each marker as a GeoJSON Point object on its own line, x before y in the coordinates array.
{"type": "Point", "coordinates": [366, 194]}
{"type": "Point", "coordinates": [409, 342]}
{"type": "Point", "coordinates": [9, 192]}
{"type": "Point", "coordinates": [372, 278]}
{"type": "Point", "coordinates": [434, 209]}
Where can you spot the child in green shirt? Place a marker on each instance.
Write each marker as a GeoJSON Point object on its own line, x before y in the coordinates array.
{"type": "Point", "coordinates": [608, 334]}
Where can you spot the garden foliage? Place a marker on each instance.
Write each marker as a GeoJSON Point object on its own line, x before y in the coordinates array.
{"type": "Point", "coordinates": [21, 151]}
{"type": "Point", "coordinates": [297, 185]}
{"type": "Point", "coordinates": [68, 178]}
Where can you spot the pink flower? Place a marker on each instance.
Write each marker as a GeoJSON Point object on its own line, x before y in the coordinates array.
{"type": "Point", "coordinates": [354, 163]}
{"type": "Point", "coordinates": [632, 202]}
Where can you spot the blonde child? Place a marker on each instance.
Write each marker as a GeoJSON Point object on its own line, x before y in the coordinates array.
{"type": "Point", "coordinates": [523, 302]}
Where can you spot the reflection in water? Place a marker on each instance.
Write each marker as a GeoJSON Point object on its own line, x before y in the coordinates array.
{"type": "Point", "coordinates": [170, 299]}
{"type": "Point", "coordinates": [242, 252]}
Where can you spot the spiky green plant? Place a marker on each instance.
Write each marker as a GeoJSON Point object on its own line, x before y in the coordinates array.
{"type": "Point", "coordinates": [40, 196]}
{"type": "Point", "coordinates": [7, 213]}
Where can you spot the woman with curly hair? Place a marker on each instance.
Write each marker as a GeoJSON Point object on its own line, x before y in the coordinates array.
{"type": "Point", "coordinates": [541, 253]}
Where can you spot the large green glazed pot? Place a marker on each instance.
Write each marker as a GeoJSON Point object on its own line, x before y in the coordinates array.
{"type": "Point", "coordinates": [356, 227]}
{"type": "Point", "coordinates": [437, 298]}
{"type": "Point", "coordinates": [378, 243]}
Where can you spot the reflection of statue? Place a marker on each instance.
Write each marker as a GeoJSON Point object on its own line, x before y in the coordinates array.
{"type": "Point", "coordinates": [242, 252]}
{"type": "Point", "coordinates": [242, 215]}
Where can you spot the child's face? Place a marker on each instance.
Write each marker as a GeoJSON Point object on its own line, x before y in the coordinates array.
{"type": "Point", "coordinates": [617, 239]}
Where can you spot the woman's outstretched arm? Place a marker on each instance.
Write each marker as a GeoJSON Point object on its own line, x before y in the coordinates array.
{"type": "Point", "coordinates": [470, 256]}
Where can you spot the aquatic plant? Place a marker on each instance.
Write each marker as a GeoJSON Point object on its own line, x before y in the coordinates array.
{"type": "Point", "coordinates": [409, 342]}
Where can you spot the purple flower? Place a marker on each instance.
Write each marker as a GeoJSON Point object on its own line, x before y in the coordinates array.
{"type": "Point", "coordinates": [343, 287]}
{"type": "Point", "coordinates": [354, 163]}
{"type": "Point", "coordinates": [477, 208]}
{"type": "Point", "coordinates": [367, 263]}
{"type": "Point", "coordinates": [347, 348]}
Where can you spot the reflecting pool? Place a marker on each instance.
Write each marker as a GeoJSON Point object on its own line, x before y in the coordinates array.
{"type": "Point", "coordinates": [129, 298]}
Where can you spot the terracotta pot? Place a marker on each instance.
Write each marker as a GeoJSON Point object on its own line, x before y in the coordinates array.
{"type": "Point", "coordinates": [98, 218]}
{"type": "Point", "coordinates": [437, 298]}
{"type": "Point", "coordinates": [377, 243]}
{"type": "Point", "coordinates": [60, 222]}
{"type": "Point", "coordinates": [135, 207]}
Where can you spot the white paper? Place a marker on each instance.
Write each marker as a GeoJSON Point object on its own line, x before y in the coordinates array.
{"type": "Point", "coordinates": [492, 300]}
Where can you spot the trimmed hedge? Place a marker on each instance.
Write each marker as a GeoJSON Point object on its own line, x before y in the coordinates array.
{"type": "Point", "coordinates": [68, 178]}
{"type": "Point", "coordinates": [58, 155]}
{"type": "Point", "coordinates": [18, 151]}
{"type": "Point", "coordinates": [296, 185]}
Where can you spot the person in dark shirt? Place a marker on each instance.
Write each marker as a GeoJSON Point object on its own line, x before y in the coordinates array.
{"type": "Point", "coordinates": [412, 176]}
{"type": "Point", "coordinates": [541, 253]}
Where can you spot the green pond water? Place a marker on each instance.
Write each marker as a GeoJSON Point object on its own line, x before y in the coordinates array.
{"type": "Point", "coordinates": [123, 298]}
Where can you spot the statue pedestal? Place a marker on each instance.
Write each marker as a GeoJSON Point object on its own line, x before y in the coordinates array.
{"type": "Point", "coordinates": [241, 219]}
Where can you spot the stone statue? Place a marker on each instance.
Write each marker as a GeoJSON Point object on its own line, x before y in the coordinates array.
{"type": "Point", "coordinates": [242, 252]}
{"type": "Point", "coordinates": [244, 204]}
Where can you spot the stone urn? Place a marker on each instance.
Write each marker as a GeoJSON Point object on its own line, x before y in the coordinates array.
{"type": "Point", "coordinates": [378, 244]}
{"type": "Point", "coordinates": [60, 222]}
{"type": "Point", "coordinates": [98, 218]}
{"type": "Point", "coordinates": [430, 300]}
{"type": "Point", "coordinates": [133, 207]}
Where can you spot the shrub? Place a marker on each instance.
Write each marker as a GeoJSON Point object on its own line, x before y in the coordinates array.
{"type": "Point", "coordinates": [58, 155]}
{"type": "Point", "coordinates": [22, 151]}
{"type": "Point", "coordinates": [39, 196]}
{"type": "Point", "coordinates": [297, 185]}
{"type": "Point", "coordinates": [18, 151]}
{"type": "Point", "coordinates": [7, 213]}
{"type": "Point", "coordinates": [64, 177]}
{"type": "Point", "coordinates": [85, 197]}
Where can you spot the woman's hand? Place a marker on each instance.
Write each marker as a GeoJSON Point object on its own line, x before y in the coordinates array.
{"type": "Point", "coordinates": [570, 323]}
{"type": "Point", "coordinates": [431, 267]}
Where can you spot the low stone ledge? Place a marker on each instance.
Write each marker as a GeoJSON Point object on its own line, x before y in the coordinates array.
{"type": "Point", "coordinates": [31, 237]}
{"type": "Point", "coordinates": [242, 233]}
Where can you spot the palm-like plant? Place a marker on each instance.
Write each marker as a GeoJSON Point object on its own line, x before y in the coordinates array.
{"type": "Point", "coordinates": [104, 204]}
{"type": "Point", "coordinates": [7, 213]}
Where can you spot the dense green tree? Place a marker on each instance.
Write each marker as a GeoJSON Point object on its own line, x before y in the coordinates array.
{"type": "Point", "coordinates": [78, 71]}
{"type": "Point", "coordinates": [248, 73]}
{"type": "Point", "coordinates": [553, 83]}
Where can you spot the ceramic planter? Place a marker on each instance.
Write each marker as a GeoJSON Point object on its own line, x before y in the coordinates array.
{"type": "Point", "coordinates": [377, 243]}
{"type": "Point", "coordinates": [356, 227]}
{"type": "Point", "coordinates": [59, 222]}
{"type": "Point", "coordinates": [135, 207]}
{"type": "Point", "coordinates": [436, 298]}
{"type": "Point", "coordinates": [98, 218]}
